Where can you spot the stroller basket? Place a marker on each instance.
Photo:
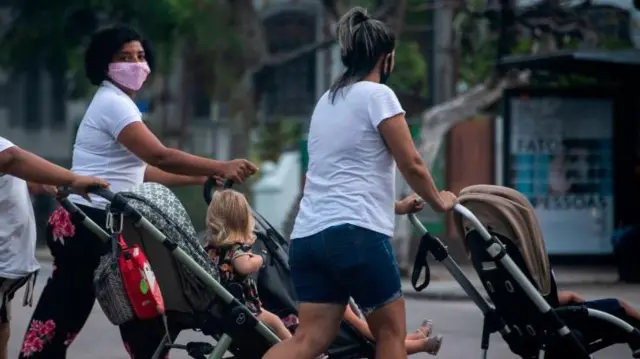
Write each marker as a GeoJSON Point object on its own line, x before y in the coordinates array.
{"type": "Point", "coordinates": [536, 328]}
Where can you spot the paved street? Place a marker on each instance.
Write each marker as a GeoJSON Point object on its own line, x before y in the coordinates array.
{"type": "Point", "coordinates": [459, 321]}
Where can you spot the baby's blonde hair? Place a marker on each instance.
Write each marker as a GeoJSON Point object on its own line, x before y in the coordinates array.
{"type": "Point", "coordinates": [229, 219]}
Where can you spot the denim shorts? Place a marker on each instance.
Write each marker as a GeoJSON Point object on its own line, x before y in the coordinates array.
{"type": "Point", "coordinates": [345, 261]}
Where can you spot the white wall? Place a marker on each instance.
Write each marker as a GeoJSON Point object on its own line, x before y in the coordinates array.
{"type": "Point", "coordinates": [274, 194]}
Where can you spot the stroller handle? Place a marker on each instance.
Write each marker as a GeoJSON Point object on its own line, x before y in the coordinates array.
{"type": "Point", "coordinates": [475, 222]}
{"type": "Point", "coordinates": [210, 185]}
{"type": "Point", "coordinates": [464, 212]}
{"type": "Point", "coordinates": [117, 202]}
{"type": "Point", "coordinates": [104, 193]}
{"type": "Point", "coordinates": [78, 216]}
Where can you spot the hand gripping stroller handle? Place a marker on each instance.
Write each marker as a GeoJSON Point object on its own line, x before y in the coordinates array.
{"type": "Point", "coordinates": [475, 222]}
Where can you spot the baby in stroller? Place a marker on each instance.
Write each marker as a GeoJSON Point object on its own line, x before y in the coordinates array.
{"type": "Point", "coordinates": [230, 230]}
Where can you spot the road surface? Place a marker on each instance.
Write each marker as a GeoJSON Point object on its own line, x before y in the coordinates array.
{"type": "Point", "coordinates": [459, 322]}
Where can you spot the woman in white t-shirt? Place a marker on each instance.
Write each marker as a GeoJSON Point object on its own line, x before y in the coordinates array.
{"type": "Point", "coordinates": [340, 242]}
{"type": "Point", "coordinates": [22, 173]}
{"type": "Point", "coordinates": [112, 143]}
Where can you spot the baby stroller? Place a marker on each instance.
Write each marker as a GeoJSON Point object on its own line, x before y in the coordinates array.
{"type": "Point", "coordinates": [503, 238]}
{"type": "Point", "coordinates": [152, 217]}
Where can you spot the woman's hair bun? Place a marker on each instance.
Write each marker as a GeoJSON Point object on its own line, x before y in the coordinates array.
{"type": "Point", "coordinates": [347, 26]}
{"type": "Point", "coordinates": [357, 15]}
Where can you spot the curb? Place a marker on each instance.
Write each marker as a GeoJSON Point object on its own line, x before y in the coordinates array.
{"type": "Point", "coordinates": [454, 291]}
{"type": "Point", "coordinates": [440, 296]}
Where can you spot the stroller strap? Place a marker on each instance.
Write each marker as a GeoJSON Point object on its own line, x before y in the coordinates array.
{"type": "Point", "coordinates": [421, 265]}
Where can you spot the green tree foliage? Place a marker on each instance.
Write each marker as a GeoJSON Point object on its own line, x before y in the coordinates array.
{"type": "Point", "coordinates": [52, 33]}
{"type": "Point", "coordinates": [410, 73]}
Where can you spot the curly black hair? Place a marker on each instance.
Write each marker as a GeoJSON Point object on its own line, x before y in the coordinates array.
{"type": "Point", "coordinates": [105, 43]}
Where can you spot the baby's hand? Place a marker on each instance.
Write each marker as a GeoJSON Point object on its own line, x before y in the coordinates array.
{"type": "Point", "coordinates": [259, 258]}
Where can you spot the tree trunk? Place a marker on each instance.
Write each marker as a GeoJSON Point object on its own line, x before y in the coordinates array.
{"type": "Point", "coordinates": [59, 96]}
{"type": "Point", "coordinates": [242, 116]}
{"type": "Point", "coordinates": [187, 88]}
{"type": "Point", "coordinates": [436, 122]}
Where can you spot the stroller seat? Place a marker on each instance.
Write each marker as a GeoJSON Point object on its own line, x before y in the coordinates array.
{"type": "Point", "coordinates": [510, 219]}
{"type": "Point", "coordinates": [507, 213]}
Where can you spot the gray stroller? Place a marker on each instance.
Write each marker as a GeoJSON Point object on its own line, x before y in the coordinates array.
{"type": "Point", "coordinates": [505, 244]}
{"type": "Point", "coordinates": [152, 217]}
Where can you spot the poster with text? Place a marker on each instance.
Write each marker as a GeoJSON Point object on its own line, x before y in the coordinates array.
{"type": "Point", "coordinates": [561, 159]}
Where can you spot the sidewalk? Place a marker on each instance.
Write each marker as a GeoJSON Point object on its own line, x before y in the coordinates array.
{"type": "Point", "coordinates": [590, 282]}
{"type": "Point", "coordinates": [43, 254]}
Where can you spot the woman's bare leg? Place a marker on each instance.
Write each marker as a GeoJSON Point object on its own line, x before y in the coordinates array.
{"type": "Point", "coordinates": [631, 311]}
{"type": "Point", "coordinates": [308, 342]}
{"type": "Point", "coordinates": [389, 327]}
{"type": "Point", "coordinates": [275, 323]}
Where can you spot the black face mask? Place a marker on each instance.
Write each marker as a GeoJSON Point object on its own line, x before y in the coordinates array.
{"type": "Point", "coordinates": [385, 70]}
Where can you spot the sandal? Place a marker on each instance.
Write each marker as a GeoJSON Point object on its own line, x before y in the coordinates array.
{"type": "Point", "coordinates": [433, 344]}
{"type": "Point", "coordinates": [425, 328]}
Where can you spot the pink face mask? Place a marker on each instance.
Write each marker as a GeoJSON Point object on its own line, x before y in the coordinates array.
{"type": "Point", "coordinates": [129, 74]}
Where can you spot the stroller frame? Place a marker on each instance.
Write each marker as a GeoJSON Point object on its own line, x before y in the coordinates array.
{"type": "Point", "coordinates": [430, 244]}
{"type": "Point", "coordinates": [236, 312]}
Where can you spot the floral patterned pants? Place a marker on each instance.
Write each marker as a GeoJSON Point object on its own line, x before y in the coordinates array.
{"type": "Point", "coordinates": [68, 298]}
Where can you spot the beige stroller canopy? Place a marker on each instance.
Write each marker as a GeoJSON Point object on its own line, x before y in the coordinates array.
{"type": "Point", "coordinates": [507, 212]}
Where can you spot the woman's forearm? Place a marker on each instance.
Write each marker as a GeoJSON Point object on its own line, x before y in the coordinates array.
{"type": "Point", "coordinates": [35, 188]}
{"type": "Point", "coordinates": [153, 174]}
{"type": "Point", "coordinates": [178, 162]}
{"type": "Point", "coordinates": [28, 166]}
{"type": "Point", "coordinates": [420, 180]}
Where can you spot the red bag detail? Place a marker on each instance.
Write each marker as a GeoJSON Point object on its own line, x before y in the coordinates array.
{"type": "Point", "coordinates": [140, 282]}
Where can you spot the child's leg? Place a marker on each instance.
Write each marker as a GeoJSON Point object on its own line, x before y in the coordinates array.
{"type": "Point", "coordinates": [275, 323]}
{"type": "Point", "coordinates": [616, 307]}
{"type": "Point", "coordinates": [631, 311]}
{"type": "Point", "coordinates": [423, 332]}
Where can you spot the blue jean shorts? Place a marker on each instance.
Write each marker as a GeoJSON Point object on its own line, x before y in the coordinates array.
{"type": "Point", "coordinates": [345, 261]}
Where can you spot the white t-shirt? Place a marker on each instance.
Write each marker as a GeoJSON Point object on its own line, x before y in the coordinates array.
{"type": "Point", "coordinates": [97, 151]}
{"type": "Point", "coordinates": [17, 226]}
{"type": "Point", "coordinates": [351, 175]}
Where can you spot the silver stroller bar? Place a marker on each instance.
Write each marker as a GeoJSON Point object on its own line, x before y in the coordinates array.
{"type": "Point", "coordinates": [456, 272]}
{"type": "Point", "coordinates": [498, 253]}
{"type": "Point", "coordinates": [437, 249]}
{"type": "Point", "coordinates": [495, 250]}
{"type": "Point", "coordinates": [81, 217]}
